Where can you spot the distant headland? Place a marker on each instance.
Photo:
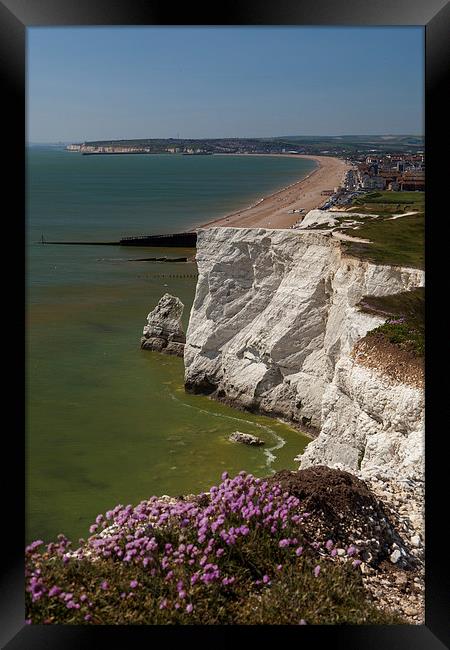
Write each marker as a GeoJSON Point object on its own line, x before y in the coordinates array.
{"type": "Point", "coordinates": [345, 145]}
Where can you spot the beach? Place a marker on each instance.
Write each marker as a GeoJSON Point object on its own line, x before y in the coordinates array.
{"type": "Point", "coordinates": [306, 194]}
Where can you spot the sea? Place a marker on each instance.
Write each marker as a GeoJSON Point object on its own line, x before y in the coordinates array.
{"type": "Point", "coordinates": [106, 422]}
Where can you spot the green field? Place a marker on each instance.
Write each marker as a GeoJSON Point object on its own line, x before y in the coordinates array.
{"type": "Point", "coordinates": [389, 203]}
{"type": "Point", "coordinates": [401, 241]}
{"type": "Point", "coordinates": [415, 198]}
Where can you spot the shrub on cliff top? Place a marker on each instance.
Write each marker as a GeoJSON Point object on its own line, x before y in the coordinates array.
{"type": "Point", "coordinates": [205, 561]}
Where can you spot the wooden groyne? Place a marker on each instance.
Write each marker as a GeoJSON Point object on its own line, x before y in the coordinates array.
{"type": "Point", "coordinates": [174, 240]}
{"type": "Point", "coordinates": [83, 243]}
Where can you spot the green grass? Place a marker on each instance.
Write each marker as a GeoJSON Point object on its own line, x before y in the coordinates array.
{"type": "Point", "coordinates": [410, 198]}
{"type": "Point", "coordinates": [408, 306]}
{"type": "Point", "coordinates": [389, 203]}
{"type": "Point", "coordinates": [397, 242]}
{"type": "Point", "coordinates": [338, 599]}
{"type": "Point", "coordinates": [402, 335]}
{"type": "Point", "coordinates": [336, 596]}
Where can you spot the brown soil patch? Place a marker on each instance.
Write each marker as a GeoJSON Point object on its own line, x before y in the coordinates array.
{"type": "Point", "coordinates": [399, 364]}
{"type": "Point", "coordinates": [331, 491]}
{"type": "Point", "coordinates": [342, 508]}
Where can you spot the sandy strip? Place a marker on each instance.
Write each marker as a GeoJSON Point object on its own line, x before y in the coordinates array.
{"type": "Point", "coordinates": [272, 211]}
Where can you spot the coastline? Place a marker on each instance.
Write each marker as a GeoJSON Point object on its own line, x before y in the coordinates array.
{"type": "Point", "coordinates": [273, 210]}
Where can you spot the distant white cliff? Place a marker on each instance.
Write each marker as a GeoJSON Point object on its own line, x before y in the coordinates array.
{"type": "Point", "coordinates": [273, 327]}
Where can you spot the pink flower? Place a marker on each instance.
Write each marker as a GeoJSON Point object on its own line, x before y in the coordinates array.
{"type": "Point", "coordinates": [316, 570]}
{"type": "Point", "coordinates": [189, 608]}
{"type": "Point", "coordinates": [33, 546]}
{"type": "Point", "coordinates": [104, 585]}
{"type": "Point", "coordinates": [54, 591]}
{"type": "Point", "coordinates": [133, 584]}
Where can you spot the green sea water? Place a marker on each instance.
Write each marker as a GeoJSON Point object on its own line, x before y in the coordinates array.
{"type": "Point", "coordinates": [107, 422]}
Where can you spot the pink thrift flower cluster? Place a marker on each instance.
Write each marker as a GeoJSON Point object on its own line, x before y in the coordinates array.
{"type": "Point", "coordinates": [239, 510]}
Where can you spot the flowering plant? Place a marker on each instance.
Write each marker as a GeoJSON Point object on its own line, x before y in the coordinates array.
{"type": "Point", "coordinates": [180, 560]}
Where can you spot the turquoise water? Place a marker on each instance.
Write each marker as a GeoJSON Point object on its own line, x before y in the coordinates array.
{"type": "Point", "coordinates": [109, 423]}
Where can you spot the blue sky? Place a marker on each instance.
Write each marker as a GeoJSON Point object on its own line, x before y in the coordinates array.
{"type": "Point", "coordinates": [143, 82]}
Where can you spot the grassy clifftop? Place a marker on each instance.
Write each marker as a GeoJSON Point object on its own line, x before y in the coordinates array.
{"type": "Point", "coordinates": [389, 202]}
{"type": "Point", "coordinates": [395, 239]}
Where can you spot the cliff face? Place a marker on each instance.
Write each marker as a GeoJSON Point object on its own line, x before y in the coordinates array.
{"type": "Point", "coordinates": [370, 423]}
{"type": "Point", "coordinates": [272, 328]}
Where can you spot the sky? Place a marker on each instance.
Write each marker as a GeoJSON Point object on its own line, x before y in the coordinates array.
{"type": "Point", "coordinates": [91, 83]}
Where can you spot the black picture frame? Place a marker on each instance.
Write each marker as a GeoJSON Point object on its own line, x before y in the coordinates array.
{"type": "Point", "coordinates": [15, 17]}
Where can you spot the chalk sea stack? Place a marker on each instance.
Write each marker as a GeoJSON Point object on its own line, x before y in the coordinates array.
{"type": "Point", "coordinates": [164, 330]}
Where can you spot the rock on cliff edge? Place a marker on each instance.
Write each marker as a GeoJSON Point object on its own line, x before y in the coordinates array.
{"type": "Point", "coordinates": [164, 330]}
{"type": "Point", "coordinates": [272, 329]}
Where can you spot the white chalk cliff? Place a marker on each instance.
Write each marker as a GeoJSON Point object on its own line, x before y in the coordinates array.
{"type": "Point", "coordinates": [272, 329]}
